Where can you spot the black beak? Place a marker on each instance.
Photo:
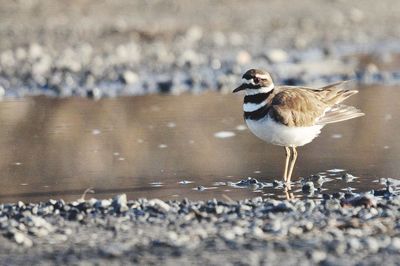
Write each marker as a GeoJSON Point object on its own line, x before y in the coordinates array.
{"type": "Point", "coordinates": [240, 88]}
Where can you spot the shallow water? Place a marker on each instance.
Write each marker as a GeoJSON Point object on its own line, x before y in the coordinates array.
{"type": "Point", "coordinates": [168, 146]}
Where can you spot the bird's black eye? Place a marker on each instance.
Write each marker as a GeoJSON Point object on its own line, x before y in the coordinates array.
{"type": "Point", "coordinates": [256, 80]}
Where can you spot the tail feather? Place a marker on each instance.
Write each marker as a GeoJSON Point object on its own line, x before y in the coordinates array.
{"type": "Point", "coordinates": [339, 113]}
{"type": "Point", "coordinates": [336, 84]}
{"type": "Point", "coordinates": [333, 94]}
{"type": "Point", "coordinates": [336, 96]}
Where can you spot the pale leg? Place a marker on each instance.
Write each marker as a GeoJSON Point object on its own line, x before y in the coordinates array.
{"type": "Point", "coordinates": [285, 173]}
{"type": "Point", "coordinates": [292, 163]}
{"type": "Point", "coordinates": [288, 192]}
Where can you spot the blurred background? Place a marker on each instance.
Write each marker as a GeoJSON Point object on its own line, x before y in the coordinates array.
{"type": "Point", "coordinates": [99, 51]}
{"type": "Point", "coordinates": [110, 48]}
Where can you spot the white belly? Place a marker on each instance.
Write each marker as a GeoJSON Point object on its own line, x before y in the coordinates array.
{"type": "Point", "coordinates": [270, 131]}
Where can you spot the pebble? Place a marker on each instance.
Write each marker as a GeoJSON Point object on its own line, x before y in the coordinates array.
{"type": "Point", "coordinates": [308, 188]}
{"type": "Point", "coordinates": [348, 177]}
{"type": "Point", "coordinates": [22, 239]}
{"type": "Point", "coordinates": [114, 250]}
{"type": "Point", "coordinates": [317, 255]}
{"type": "Point", "coordinates": [250, 182]}
{"type": "Point", "coordinates": [102, 203]}
{"type": "Point", "coordinates": [277, 56]}
{"type": "Point", "coordinates": [332, 204]}
{"type": "Point", "coordinates": [395, 244]}
{"type": "Point", "coordinates": [200, 188]}
{"type": "Point", "coordinates": [243, 58]}
{"type": "Point", "coordinates": [119, 203]}
{"type": "Point", "coordinates": [362, 200]}
{"type": "Point", "coordinates": [160, 205]}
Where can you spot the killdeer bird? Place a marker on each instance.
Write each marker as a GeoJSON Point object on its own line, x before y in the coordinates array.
{"type": "Point", "coordinates": [291, 116]}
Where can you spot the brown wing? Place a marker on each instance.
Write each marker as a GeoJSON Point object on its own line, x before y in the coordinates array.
{"type": "Point", "coordinates": [306, 107]}
{"type": "Point", "coordinates": [297, 107]}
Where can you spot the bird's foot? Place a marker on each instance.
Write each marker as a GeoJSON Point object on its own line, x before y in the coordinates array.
{"type": "Point", "coordinates": [288, 191]}
{"type": "Point", "coordinates": [287, 184]}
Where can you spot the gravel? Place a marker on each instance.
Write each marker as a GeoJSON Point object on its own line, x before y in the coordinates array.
{"type": "Point", "coordinates": [361, 229]}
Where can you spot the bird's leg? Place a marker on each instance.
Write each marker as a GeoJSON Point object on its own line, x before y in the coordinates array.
{"type": "Point", "coordinates": [292, 163]}
{"type": "Point", "coordinates": [285, 173]}
{"type": "Point", "coordinates": [288, 192]}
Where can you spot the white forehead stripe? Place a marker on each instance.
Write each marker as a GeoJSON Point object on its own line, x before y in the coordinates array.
{"type": "Point", "coordinates": [262, 76]}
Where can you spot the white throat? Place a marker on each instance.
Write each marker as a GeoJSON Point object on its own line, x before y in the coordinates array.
{"type": "Point", "coordinates": [260, 90]}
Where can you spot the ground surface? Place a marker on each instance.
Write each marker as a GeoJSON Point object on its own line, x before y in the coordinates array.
{"type": "Point", "coordinates": [340, 230]}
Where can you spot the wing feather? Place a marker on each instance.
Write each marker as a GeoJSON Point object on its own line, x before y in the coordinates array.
{"type": "Point", "coordinates": [302, 106]}
{"type": "Point", "coordinates": [297, 108]}
{"type": "Point", "coordinates": [339, 113]}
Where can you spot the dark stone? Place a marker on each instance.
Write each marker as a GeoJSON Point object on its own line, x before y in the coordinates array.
{"type": "Point", "coordinates": [164, 86]}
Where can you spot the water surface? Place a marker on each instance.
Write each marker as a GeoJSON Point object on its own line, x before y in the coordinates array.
{"type": "Point", "coordinates": [168, 146]}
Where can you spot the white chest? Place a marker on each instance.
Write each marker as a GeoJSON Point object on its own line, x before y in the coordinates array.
{"type": "Point", "coordinates": [272, 132]}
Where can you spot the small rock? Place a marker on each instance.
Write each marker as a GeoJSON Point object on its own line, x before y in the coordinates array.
{"type": "Point", "coordinates": [160, 205]}
{"type": "Point", "coordinates": [130, 77]}
{"type": "Point", "coordinates": [326, 196]}
{"type": "Point", "coordinates": [277, 56]}
{"type": "Point", "coordinates": [22, 239]}
{"type": "Point", "coordinates": [395, 244]}
{"type": "Point", "coordinates": [371, 244]}
{"type": "Point", "coordinates": [113, 250]}
{"type": "Point", "coordinates": [246, 182]}
{"type": "Point", "coordinates": [338, 195]}
{"type": "Point", "coordinates": [365, 200]}
{"type": "Point", "coordinates": [243, 58]}
{"type": "Point", "coordinates": [164, 86]}
{"type": "Point", "coordinates": [348, 177]}
{"type": "Point", "coordinates": [277, 183]}
{"type": "Point", "coordinates": [194, 34]}
{"type": "Point", "coordinates": [102, 204]}
{"type": "Point", "coordinates": [200, 188]}
{"type": "Point", "coordinates": [308, 188]}
{"type": "Point", "coordinates": [94, 93]}
{"type": "Point", "coordinates": [332, 204]}
{"type": "Point", "coordinates": [317, 255]}
{"type": "Point", "coordinates": [39, 222]}
{"type": "Point", "coordinates": [119, 203]}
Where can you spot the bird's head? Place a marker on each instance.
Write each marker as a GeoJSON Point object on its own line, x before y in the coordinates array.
{"type": "Point", "coordinates": [256, 81]}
